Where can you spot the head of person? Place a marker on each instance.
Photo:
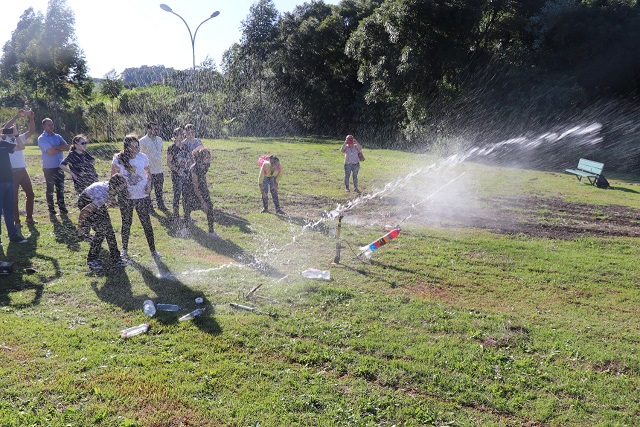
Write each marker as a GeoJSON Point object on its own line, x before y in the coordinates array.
{"type": "Point", "coordinates": [178, 134]}
{"type": "Point", "coordinates": [274, 161]}
{"type": "Point", "coordinates": [131, 146]}
{"type": "Point", "coordinates": [79, 142]}
{"type": "Point", "coordinates": [349, 140]}
{"type": "Point", "coordinates": [11, 132]}
{"type": "Point", "coordinates": [117, 185]}
{"type": "Point", "coordinates": [47, 125]}
{"type": "Point", "coordinates": [152, 129]}
{"type": "Point", "coordinates": [190, 130]}
{"type": "Point", "coordinates": [202, 156]}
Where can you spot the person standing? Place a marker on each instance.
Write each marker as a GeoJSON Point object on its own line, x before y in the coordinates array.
{"type": "Point", "coordinates": [134, 166]}
{"type": "Point", "coordinates": [10, 142]}
{"type": "Point", "coordinates": [21, 177]}
{"type": "Point", "coordinates": [190, 138]}
{"type": "Point", "coordinates": [52, 145]}
{"type": "Point", "coordinates": [178, 161]}
{"type": "Point", "coordinates": [352, 151]}
{"type": "Point", "coordinates": [196, 190]}
{"type": "Point", "coordinates": [151, 146]}
{"type": "Point", "coordinates": [80, 164]}
{"type": "Point", "coordinates": [268, 180]}
{"type": "Point", "coordinates": [93, 203]}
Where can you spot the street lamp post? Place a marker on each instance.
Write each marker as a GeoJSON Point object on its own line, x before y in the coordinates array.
{"type": "Point", "coordinates": [193, 53]}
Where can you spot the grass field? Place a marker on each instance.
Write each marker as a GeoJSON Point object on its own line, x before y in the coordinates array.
{"type": "Point", "coordinates": [510, 299]}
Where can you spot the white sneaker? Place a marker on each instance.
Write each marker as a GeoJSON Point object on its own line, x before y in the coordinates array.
{"type": "Point", "coordinates": [124, 254]}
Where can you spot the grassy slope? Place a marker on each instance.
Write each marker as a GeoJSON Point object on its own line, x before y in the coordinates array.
{"type": "Point", "coordinates": [445, 326]}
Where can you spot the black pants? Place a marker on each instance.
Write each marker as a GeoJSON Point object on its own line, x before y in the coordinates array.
{"type": "Point", "coordinates": [157, 183]}
{"type": "Point", "coordinates": [143, 207]}
{"type": "Point", "coordinates": [100, 222]}
{"type": "Point", "coordinates": [178, 187]}
{"type": "Point", "coordinates": [54, 178]}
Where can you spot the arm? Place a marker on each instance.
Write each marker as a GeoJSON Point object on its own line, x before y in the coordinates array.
{"type": "Point", "coordinates": [344, 148]}
{"type": "Point", "coordinates": [66, 170]}
{"type": "Point", "coordinates": [172, 167]}
{"type": "Point", "coordinates": [10, 123]}
{"type": "Point", "coordinates": [32, 125]}
{"type": "Point", "coordinates": [147, 187]}
{"type": "Point", "coordinates": [114, 169]}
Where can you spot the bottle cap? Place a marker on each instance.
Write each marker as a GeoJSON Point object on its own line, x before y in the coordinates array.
{"type": "Point", "coordinates": [199, 300]}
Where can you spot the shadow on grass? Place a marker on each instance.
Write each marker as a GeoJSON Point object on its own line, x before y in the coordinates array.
{"type": "Point", "coordinates": [625, 190]}
{"type": "Point", "coordinates": [117, 290]}
{"type": "Point", "coordinates": [24, 276]}
{"type": "Point", "coordinates": [65, 231]}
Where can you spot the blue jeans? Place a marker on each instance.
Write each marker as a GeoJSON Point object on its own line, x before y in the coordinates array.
{"type": "Point", "coordinates": [350, 168]}
{"type": "Point", "coordinates": [54, 178]}
{"type": "Point", "coordinates": [267, 185]}
{"type": "Point", "coordinates": [7, 192]}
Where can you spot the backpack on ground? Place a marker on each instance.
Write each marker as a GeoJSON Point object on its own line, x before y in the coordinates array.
{"type": "Point", "coordinates": [601, 182]}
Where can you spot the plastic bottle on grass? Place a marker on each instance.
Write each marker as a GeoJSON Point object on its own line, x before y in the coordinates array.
{"type": "Point", "coordinates": [167, 307]}
{"type": "Point", "coordinates": [191, 315]}
{"type": "Point", "coordinates": [148, 308]}
{"type": "Point", "coordinates": [314, 273]}
{"type": "Point", "coordinates": [135, 330]}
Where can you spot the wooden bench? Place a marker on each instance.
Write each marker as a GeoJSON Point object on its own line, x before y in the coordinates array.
{"type": "Point", "coordinates": [587, 169]}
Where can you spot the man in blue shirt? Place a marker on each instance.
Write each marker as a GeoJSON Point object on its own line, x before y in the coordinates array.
{"type": "Point", "coordinates": [10, 141]}
{"type": "Point", "coordinates": [52, 145]}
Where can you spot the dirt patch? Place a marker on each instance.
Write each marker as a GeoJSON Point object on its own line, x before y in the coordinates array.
{"type": "Point", "coordinates": [526, 215]}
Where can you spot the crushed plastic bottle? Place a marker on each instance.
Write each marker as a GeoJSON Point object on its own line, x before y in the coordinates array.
{"type": "Point", "coordinates": [191, 315]}
{"type": "Point", "coordinates": [135, 330]}
{"type": "Point", "coordinates": [314, 273]}
{"type": "Point", "coordinates": [167, 307]}
{"type": "Point", "coordinates": [148, 308]}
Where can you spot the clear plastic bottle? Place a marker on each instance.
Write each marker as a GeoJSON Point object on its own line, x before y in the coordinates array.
{"type": "Point", "coordinates": [167, 307]}
{"type": "Point", "coordinates": [148, 308]}
{"type": "Point", "coordinates": [135, 330]}
{"type": "Point", "coordinates": [191, 315]}
{"type": "Point", "coordinates": [314, 273]}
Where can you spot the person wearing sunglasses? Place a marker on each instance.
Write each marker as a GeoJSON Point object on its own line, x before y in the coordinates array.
{"type": "Point", "coordinates": [80, 164]}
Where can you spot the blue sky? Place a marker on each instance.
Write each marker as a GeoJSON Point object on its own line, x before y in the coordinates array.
{"type": "Point", "coordinates": [118, 34]}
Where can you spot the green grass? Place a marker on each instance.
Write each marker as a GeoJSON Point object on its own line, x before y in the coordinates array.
{"type": "Point", "coordinates": [445, 325]}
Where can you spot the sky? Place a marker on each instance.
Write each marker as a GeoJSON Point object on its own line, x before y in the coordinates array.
{"type": "Point", "coordinates": [119, 34]}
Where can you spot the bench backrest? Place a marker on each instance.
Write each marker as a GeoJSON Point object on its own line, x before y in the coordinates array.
{"type": "Point", "coordinates": [590, 166]}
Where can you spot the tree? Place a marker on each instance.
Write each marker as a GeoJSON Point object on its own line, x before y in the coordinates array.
{"type": "Point", "coordinates": [112, 86]}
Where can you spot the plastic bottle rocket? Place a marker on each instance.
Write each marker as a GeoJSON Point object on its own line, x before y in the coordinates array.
{"type": "Point", "coordinates": [167, 307]}
{"type": "Point", "coordinates": [191, 315]}
{"type": "Point", "coordinates": [367, 250]}
{"type": "Point", "coordinates": [135, 330]}
{"type": "Point", "coordinates": [148, 308]}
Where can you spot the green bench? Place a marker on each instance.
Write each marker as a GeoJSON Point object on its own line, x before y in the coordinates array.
{"type": "Point", "coordinates": [587, 169]}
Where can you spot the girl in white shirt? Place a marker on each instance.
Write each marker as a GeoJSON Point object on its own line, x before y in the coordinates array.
{"type": "Point", "coordinates": [134, 166]}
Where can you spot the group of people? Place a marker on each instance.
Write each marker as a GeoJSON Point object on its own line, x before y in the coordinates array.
{"type": "Point", "coordinates": [136, 171]}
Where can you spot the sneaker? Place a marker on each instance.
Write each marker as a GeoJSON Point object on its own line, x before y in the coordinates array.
{"type": "Point", "coordinates": [156, 255]}
{"type": "Point", "coordinates": [94, 264]}
{"type": "Point", "coordinates": [264, 210]}
{"type": "Point", "coordinates": [214, 235]}
{"type": "Point", "coordinates": [18, 224]}
{"type": "Point", "coordinates": [346, 189]}
{"type": "Point", "coordinates": [280, 211]}
{"type": "Point", "coordinates": [64, 211]}
{"type": "Point", "coordinates": [124, 254]}
{"type": "Point", "coordinates": [31, 221]}
{"type": "Point", "coordinates": [357, 190]}
{"type": "Point", "coordinates": [19, 240]}
{"type": "Point", "coordinates": [121, 263]}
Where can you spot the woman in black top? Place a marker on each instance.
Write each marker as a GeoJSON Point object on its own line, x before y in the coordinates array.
{"type": "Point", "coordinates": [80, 164]}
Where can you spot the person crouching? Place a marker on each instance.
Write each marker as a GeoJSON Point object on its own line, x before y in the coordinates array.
{"type": "Point", "coordinates": [93, 203]}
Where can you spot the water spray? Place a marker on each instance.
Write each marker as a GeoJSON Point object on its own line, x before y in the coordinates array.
{"type": "Point", "coordinates": [252, 309]}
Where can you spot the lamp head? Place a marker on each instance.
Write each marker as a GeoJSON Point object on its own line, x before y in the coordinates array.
{"type": "Point", "coordinates": [214, 14]}
{"type": "Point", "coordinates": [165, 8]}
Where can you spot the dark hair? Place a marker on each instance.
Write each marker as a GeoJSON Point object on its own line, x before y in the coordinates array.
{"type": "Point", "coordinates": [75, 140]}
{"type": "Point", "coordinates": [125, 155]}
{"type": "Point", "coordinates": [151, 124]}
{"type": "Point", "coordinates": [273, 157]}
{"type": "Point", "coordinates": [117, 180]}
